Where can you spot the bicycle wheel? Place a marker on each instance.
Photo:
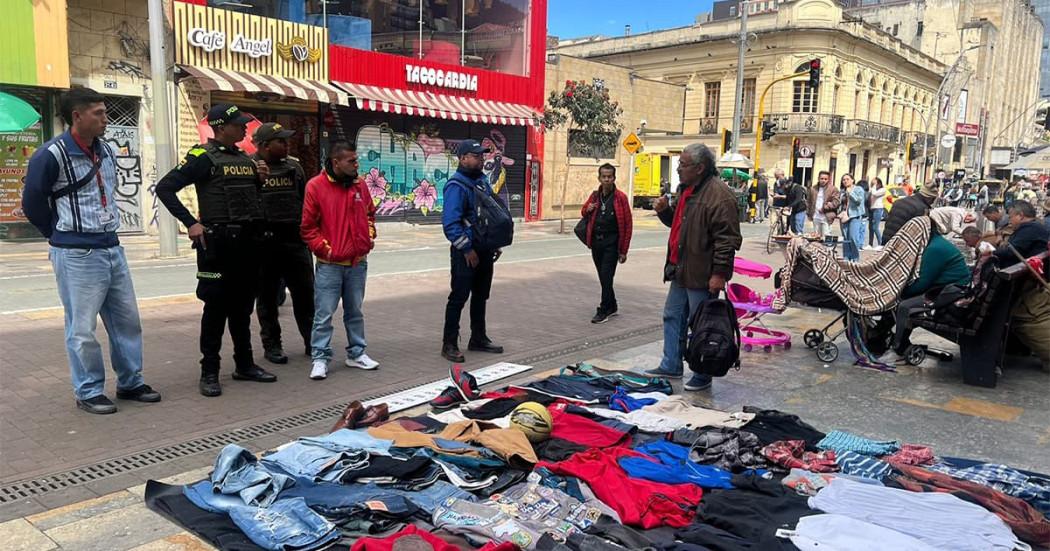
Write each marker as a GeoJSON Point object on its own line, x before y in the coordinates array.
{"type": "Point", "coordinates": [769, 238]}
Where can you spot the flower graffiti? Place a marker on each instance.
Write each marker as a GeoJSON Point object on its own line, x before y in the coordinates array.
{"type": "Point", "coordinates": [376, 185]}
{"type": "Point", "coordinates": [425, 195]}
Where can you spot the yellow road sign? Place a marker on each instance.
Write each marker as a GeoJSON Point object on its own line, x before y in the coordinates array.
{"type": "Point", "coordinates": [632, 144]}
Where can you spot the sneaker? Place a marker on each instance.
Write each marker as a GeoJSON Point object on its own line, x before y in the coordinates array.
{"type": "Point", "coordinates": [600, 317]}
{"type": "Point", "coordinates": [661, 373]}
{"type": "Point", "coordinates": [275, 356]}
{"type": "Point", "coordinates": [448, 398]}
{"type": "Point", "coordinates": [141, 393]}
{"type": "Point", "coordinates": [99, 405]}
{"type": "Point", "coordinates": [450, 351]}
{"type": "Point", "coordinates": [698, 382]}
{"type": "Point", "coordinates": [319, 371]}
{"type": "Point", "coordinates": [464, 382]}
{"type": "Point", "coordinates": [362, 362]}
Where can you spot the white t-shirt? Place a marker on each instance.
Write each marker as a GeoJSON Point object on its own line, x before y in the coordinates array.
{"type": "Point", "coordinates": [817, 213]}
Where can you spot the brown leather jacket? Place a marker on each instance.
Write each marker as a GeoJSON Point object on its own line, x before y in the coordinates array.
{"type": "Point", "coordinates": [710, 235]}
{"type": "Point", "coordinates": [832, 201]}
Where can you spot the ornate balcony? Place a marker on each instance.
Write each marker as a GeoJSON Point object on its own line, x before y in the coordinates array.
{"type": "Point", "coordinates": [807, 123]}
{"type": "Point", "coordinates": [867, 130]}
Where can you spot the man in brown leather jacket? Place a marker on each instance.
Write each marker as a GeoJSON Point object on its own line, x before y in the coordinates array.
{"type": "Point", "coordinates": [704, 238]}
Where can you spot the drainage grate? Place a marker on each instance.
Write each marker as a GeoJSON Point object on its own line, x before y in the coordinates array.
{"type": "Point", "coordinates": [112, 467]}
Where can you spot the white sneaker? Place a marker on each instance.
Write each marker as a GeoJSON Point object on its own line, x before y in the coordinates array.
{"type": "Point", "coordinates": [319, 371]}
{"type": "Point", "coordinates": [362, 362]}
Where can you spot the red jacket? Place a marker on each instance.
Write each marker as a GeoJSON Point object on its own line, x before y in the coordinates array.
{"type": "Point", "coordinates": [623, 219]}
{"type": "Point", "coordinates": [339, 220]}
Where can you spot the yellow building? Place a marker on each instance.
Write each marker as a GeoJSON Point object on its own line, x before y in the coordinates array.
{"type": "Point", "coordinates": [873, 97]}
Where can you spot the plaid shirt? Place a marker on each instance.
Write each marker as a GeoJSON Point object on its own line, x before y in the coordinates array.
{"type": "Point", "coordinates": [1034, 490]}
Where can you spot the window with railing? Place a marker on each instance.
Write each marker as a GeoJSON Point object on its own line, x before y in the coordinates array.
{"type": "Point", "coordinates": [804, 98]}
{"type": "Point", "coordinates": [747, 121]}
{"type": "Point", "coordinates": [712, 95]}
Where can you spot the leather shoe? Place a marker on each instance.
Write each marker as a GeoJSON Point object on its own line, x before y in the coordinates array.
{"type": "Point", "coordinates": [351, 415]}
{"type": "Point", "coordinates": [254, 373]}
{"type": "Point", "coordinates": [275, 356]}
{"type": "Point", "coordinates": [374, 414]}
{"type": "Point", "coordinates": [450, 351]}
{"type": "Point", "coordinates": [209, 385]}
{"type": "Point", "coordinates": [141, 393]}
{"type": "Point", "coordinates": [484, 346]}
{"type": "Point", "coordinates": [99, 405]}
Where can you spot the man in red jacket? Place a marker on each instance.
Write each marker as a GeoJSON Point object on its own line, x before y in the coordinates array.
{"type": "Point", "coordinates": [608, 236]}
{"type": "Point", "coordinates": [339, 227]}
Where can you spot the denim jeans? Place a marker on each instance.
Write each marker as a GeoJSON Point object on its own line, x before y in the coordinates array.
{"type": "Point", "coordinates": [93, 283]}
{"type": "Point", "coordinates": [346, 439]}
{"type": "Point", "coordinates": [337, 496]}
{"type": "Point", "coordinates": [854, 235]}
{"type": "Point", "coordinates": [799, 225]}
{"type": "Point", "coordinates": [678, 309]}
{"type": "Point", "coordinates": [317, 463]}
{"type": "Point", "coordinates": [333, 282]}
{"type": "Point", "coordinates": [874, 231]}
{"type": "Point", "coordinates": [236, 471]}
{"type": "Point", "coordinates": [287, 524]}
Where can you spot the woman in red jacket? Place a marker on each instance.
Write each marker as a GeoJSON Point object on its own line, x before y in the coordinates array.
{"type": "Point", "coordinates": [608, 235]}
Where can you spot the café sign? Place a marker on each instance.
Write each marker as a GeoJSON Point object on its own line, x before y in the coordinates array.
{"type": "Point", "coordinates": [215, 40]}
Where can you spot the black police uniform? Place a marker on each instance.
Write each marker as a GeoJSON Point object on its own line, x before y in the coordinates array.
{"type": "Point", "coordinates": [228, 195]}
{"type": "Point", "coordinates": [285, 256]}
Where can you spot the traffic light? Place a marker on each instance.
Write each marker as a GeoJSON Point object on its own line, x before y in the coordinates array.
{"type": "Point", "coordinates": [908, 152]}
{"type": "Point", "coordinates": [769, 129]}
{"type": "Point", "coordinates": [914, 151]}
{"type": "Point", "coordinates": [727, 140]}
{"type": "Point", "coordinates": [814, 73]}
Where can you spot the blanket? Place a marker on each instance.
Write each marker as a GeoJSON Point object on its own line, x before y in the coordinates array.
{"type": "Point", "coordinates": [871, 286]}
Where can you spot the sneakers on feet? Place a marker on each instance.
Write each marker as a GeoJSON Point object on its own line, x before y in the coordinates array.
{"type": "Point", "coordinates": [464, 382]}
{"type": "Point", "coordinates": [141, 393]}
{"type": "Point", "coordinates": [448, 398]}
{"type": "Point", "coordinates": [698, 382]}
{"type": "Point", "coordinates": [99, 405]}
{"type": "Point", "coordinates": [599, 316]}
{"type": "Point", "coordinates": [319, 371]}
{"type": "Point", "coordinates": [661, 373]}
{"type": "Point", "coordinates": [362, 362]}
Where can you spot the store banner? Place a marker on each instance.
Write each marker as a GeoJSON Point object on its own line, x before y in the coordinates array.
{"type": "Point", "coordinates": [15, 150]}
{"type": "Point", "coordinates": [223, 39]}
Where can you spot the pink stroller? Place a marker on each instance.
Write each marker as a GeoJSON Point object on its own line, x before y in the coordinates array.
{"type": "Point", "coordinates": [750, 306]}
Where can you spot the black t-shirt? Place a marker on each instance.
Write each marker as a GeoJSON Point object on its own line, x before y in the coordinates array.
{"type": "Point", "coordinates": [605, 219]}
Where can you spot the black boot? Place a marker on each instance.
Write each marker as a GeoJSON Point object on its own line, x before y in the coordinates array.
{"type": "Point", "coordinates": [275, 356]}
{"type": "Point", "coordinates": [483, 344]}
{"type": "Point", "coordinates": [209, 385]}
{"type": "Point", "coordinates": [450, 351]}
{"type": "Point", "coordinates": [253, 373]}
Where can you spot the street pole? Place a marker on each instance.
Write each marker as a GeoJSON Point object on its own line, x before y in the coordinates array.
{"type": "Point", "coordinates": [630, 183]}
{"type": "Point", "coordinates": [738, 98]}
{"type": "Point", "coordinates": [167, 229]}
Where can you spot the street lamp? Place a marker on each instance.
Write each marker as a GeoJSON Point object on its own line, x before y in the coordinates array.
{"type": "Point", "coordinates": [937, 100]}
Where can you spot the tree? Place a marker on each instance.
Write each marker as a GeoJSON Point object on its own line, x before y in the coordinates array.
{"type": "Point", "coordinates": [587, 109]}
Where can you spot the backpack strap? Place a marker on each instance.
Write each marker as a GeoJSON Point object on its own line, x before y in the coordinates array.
{"type": "Point", "coordinates": [74, 186]}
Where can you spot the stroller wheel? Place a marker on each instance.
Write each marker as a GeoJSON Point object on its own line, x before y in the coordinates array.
{"type": "Point", "coordinates": [767, 348]}
{"type": "Point", "coordinates": [915, 354]}
{"type": "Point", "coordinates": [747, 348]}
{"type": "Point", "coordinates": [813, 337]}
{"type": "Point", "coordinates": [787, 345]}
{"type": "Point", "coordinates": [827, 352]}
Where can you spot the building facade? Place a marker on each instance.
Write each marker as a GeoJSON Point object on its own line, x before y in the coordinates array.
{"type": "Point", "coordinates": [1042, 9]}
{"type": "Point", "coordinates": [871, 102]}
{"type": "Point", "coordinates": [990, 100]}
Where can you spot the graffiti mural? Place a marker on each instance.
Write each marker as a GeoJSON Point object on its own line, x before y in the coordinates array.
{"type": "Point", "coordinates": [407, 173]}
{"type": "Point", "coordinates": [128, 191]}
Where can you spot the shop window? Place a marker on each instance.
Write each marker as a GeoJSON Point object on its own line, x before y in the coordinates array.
{"type": "Point", "coordinates": [804, 98]}
{"type": "Point", "coordinates": [576, 150]}
{"type": "Point", "coordinates": [712, 95]}
{"type": "Point", "coordinates": [747, 122]}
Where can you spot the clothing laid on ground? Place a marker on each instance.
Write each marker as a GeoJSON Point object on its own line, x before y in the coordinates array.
{"type": "Point", "coordinates": [792, 454]}
{"type": "Point", "coordinates": [809, 483]}
{"type": "Point", "coordinates": [728, 449]}
{"type": "Point", "coordinates": [751, 512]}
{"type": "Point", "coordinates": [839, 532]}
{"type": "Point", "coordinates": [771, 425]}
{"type": "Point", "coordinates": [678, 407]}
{"type": "Point", "coordinates": [583, 431]}
{"type": "Point", "coordinates": [1033, 489]}
{"type": "Point", "coordinates": [644, 420]}
{"type": "Point", "coordinates": [388, 543]}
{"type": "Point", "coordinates": [911, 454]}
{"type": "Point", "coordinates": [841, 441]}
{"type": "Point", "coordinates": [669, 463]}
{"type": "Point", "coordinates": [856, 464]}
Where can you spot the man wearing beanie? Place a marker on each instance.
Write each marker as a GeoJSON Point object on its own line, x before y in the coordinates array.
{"type": "Point", "coordinates": [910, 207]}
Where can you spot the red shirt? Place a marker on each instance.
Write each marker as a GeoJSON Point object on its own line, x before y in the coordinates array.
{"type": "Point", "coordinates": [583, 431]}
{"type": "Point", "coordinates": [676, 226]}
{"type": "Point", "coordinates": [339, 222]}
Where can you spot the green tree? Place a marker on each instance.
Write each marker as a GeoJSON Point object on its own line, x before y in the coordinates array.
{"type": "Point", "coordinates": [586, 109]}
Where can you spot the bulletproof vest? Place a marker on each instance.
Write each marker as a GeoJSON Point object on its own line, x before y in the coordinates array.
{"type": "Point", "coordinates": [231, 194]}
{"type": "Point", "coordinates": [280, 195]}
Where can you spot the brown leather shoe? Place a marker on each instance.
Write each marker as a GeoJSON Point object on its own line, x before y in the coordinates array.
{"type": "Point", "coordinates": [374, 414]}
{"type": "Point", "coordinates": [351, 417]}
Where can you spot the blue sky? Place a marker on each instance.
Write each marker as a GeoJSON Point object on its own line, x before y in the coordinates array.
{"type": "Point", "coordinates": [573, 18]}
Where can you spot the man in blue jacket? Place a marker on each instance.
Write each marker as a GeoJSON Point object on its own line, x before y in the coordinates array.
{"type": "Point", "coordinates": [69, 197]}
{"type": "Point", "coordinates": [471, 266]}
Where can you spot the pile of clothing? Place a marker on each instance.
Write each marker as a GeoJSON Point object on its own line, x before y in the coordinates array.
{"type": "Point", "coordinates": [623, 464]}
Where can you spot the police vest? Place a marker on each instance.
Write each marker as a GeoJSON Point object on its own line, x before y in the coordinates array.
{"type": "Point", "coordinates": [231, 194]}
{"type": "Point", "coordinates": [280, 194]}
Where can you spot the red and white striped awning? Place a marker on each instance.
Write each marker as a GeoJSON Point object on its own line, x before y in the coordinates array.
{"type": "Point", "coordinates": [234, 81]}
{"type": "Point", "coordinates": [429, 104]}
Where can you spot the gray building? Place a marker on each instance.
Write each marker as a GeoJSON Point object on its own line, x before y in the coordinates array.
{"type": "Point", "coordinates": [1042, 9]}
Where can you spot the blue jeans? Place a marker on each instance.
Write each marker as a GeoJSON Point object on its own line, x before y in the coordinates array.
{"type": "Point", "coordinates": [287, 524]}
{"type": "Point", "coordinates": [93, 283]}
{"type": "Point", "coordinates": [237, 472]}
{"type": "Point", "coordinates": [333, 282]}
{"type": "Point", "coordinates": [799, 222]}
{"type": "Point", "coordinates": [340, 496]}
{"type": "Point", "coordinates": [679, 308]}
{"type": "Point", "coordinates": [874, 231]}
{"type": "Point", "coordinates": [854, 234]}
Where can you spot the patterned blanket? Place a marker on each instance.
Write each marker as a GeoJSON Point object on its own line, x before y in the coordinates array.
{"type": "Point", "coordinates": [871, 286]}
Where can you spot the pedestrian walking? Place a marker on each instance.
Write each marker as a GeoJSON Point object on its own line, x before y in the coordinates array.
{"type": "Point", "coordinates": [472, 262]}
{"type": "Point", "coordinates": [853, 230]}
{"type": "Point", "coordinates": [762, 205]}
{"type": "Point", "coordinates": [339, 227]}
{"type": "Point", "coordinates": [609, 228]}
{"type": "Point", "coordinates": [286, 260]}
{"type": "Point", "coordinates": [227, 238]}
{"type": "Point", "coordinates": [824, 205]}
{"type": "Point", "coordinates": [798, 202]}
{"type": "Point", "coordinates": [877, 207]}
{"type": "Point", "coordinates": [704, 238]}
{"type": "Point", "coordinates": [69, 197]}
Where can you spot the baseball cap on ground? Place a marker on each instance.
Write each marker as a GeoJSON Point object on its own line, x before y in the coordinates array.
{"type": "Point", "coordinates": [270, 131]}
{"type": "Point", "coordinates": [470, 146]}
{"type": "Point", "coordinates": [225, 113]}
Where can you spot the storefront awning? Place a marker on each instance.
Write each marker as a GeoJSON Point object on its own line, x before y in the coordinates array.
{"type": "Point", "coordinates": [411, 102]}
{"type": "Point", "coordinates": [233, 81]}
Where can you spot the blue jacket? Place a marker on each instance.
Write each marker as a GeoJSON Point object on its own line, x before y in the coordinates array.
{"type": "Point", "coordinates": [78, 219]}
{"type": "Point", "coordinates": [458, 214]}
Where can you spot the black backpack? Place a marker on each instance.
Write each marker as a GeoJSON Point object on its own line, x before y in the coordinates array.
{"type": "Point", "coordinates": [493, 227]}
{"type": "Point", "coordinates": [714, 339]}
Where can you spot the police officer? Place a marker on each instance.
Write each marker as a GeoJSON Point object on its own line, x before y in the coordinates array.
{"type": "Point", "coordinates": [285, 255]}
{"type": "Point", "coordinates": [226, 238]}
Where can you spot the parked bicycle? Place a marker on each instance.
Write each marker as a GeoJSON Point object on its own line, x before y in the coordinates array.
{"type": "Point", "coordinates": [778, 225]}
